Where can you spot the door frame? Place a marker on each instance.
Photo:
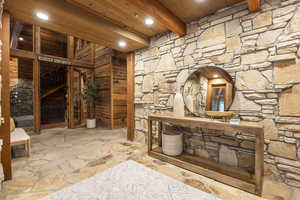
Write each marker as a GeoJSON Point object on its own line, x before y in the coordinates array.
{"type": "Point", "coordinates": [130, 97]}
{"type": "Point", "coordinates": [5, 97]}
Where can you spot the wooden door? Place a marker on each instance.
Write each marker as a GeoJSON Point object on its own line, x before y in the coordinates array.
{"type": "Point", "coordinates": [76, 106]}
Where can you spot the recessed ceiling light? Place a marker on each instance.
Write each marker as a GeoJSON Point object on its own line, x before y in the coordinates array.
{"type": "Point", "coordinates": [42, 16]}
{"type": "Point", "coordinates": [21, 39]}
{"type": "Point", "coordinates": [149, 21]}
{"type": "Point", "coordinates": [122, 43]}
{"type": "Point", "coordinates": [199, 1]}
{"type": "Point", "coordinates": [216, 76]}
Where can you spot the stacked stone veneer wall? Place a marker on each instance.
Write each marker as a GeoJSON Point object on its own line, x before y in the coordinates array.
{"type": "Point", "coordinates": [259, 50]}
{"type": "Point", "coordinates": [23, 104]}
{"type": "Point", "coordinates": [230, 148]}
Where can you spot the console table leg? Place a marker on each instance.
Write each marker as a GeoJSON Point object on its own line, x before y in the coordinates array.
{"type": "Point", "coordinates": [160, 127]}
{"type": "Point", "coordinates": [149, 135]}
{"type": "Point", "coordinates": [259, 163]}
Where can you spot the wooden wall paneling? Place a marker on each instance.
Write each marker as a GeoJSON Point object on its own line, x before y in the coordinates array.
{"type": "Point", "coordinates": [103, 82]}
{"type": "Point", "coordinates": [130, 98]}
{"type": "Point", "coordinates": [36, 80]}
{"type": "Point", "coordinates": [93, 53]}
{"type": "Point", "coordinates": [119, 95]}
{"type": "Point", "coordinates": [5, 97]}
{"type": "Point", "coordinates": [103, 107]}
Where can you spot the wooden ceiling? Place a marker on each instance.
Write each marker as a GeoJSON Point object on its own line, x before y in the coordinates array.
{"type": "Point", "coordinates": [191, 10]}
{"type": "Point", "coordinates": [106, 22]}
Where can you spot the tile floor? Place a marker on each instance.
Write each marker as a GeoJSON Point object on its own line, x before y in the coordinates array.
{"type": "Point", "coordinates": [62, 157]}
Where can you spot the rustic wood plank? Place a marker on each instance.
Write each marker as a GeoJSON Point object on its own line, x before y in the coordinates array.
{"type": "Point", "coordinates": [5, 97]}
{"type": "Point", "coordinates": [36, 80]}
{"type": "Point", "coordinates": [252, 129]}
{"type": "Point", "coordinates": [70, 55]}
{"type": "Point", "coordinates": [119, 95]}
{"type": "Point", "coordinates": [162, 14]}
{"type": "Point", "coordinates": [36, 97]}
{"type": "Point", "coordinates": [130, 98]}
{"type": "Point", "coordinates": [254, 5]}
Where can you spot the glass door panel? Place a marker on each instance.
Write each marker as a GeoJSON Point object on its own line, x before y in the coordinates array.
{"type": "Point", "coordinates": [76, 97]}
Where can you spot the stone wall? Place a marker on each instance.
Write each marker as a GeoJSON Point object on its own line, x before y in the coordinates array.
{"type": "Point", "coordinates": [22, 100]}
{"type": "Point", "coordinates": [259, 50]}
{"type": "Point", "coordinates": [234, 149]}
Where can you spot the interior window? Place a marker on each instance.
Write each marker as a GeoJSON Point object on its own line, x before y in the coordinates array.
{"type": "Point", "coordinates": [218, 98]}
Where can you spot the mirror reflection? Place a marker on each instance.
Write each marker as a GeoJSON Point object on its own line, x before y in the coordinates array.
{"type": "Point", "coordinates": [208, 89]}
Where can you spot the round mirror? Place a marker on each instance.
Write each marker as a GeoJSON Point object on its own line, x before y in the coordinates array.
{"type": "Point", "coordinates": [208, 89]}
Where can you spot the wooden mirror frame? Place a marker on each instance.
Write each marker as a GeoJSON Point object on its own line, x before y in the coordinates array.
{"type": "Point", "coordinates": [209, 73]}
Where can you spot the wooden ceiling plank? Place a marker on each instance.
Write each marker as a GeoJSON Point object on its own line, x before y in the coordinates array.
{"type": "Point", "coordinates": [162, 14]}
{"type": "Point", "coordinates": [69, 19]}
{"type": "Point", "coordinates": [120, 13]}
{"type": "Point", "coordinates": [254, 5]}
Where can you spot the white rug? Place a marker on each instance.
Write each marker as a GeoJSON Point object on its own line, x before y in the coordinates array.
{"type": "Point", "coordinates": [130, 181]}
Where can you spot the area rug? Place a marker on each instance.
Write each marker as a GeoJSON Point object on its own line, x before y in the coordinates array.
{"type": "Point", "coordinates": [130, 181]}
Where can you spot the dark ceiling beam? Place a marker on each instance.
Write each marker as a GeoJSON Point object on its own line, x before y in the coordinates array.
{"type": "Point", "coordinates": [254, 5]}
{"type": "Point", "coordinates": [69, 19]}
{"type": "Point", "coordinates": [158, 11]}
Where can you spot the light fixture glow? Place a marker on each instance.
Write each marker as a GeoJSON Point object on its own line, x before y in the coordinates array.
{"type": "Point", "coordinates": [199, 1]}
{"type": "Point", "coordinates": [42, 16]}
{"type": "Point", "coordinates": [216, 76]}
{"type": "Point", "coordinates": [149, 21]}
{"type": "Point", "coordinates": [21, 39]}
{"type": "Point", "coordinates": [122, 43]}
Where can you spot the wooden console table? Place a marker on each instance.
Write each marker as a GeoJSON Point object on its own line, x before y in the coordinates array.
{"type": "Point", "coordinates": [226, 174]}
